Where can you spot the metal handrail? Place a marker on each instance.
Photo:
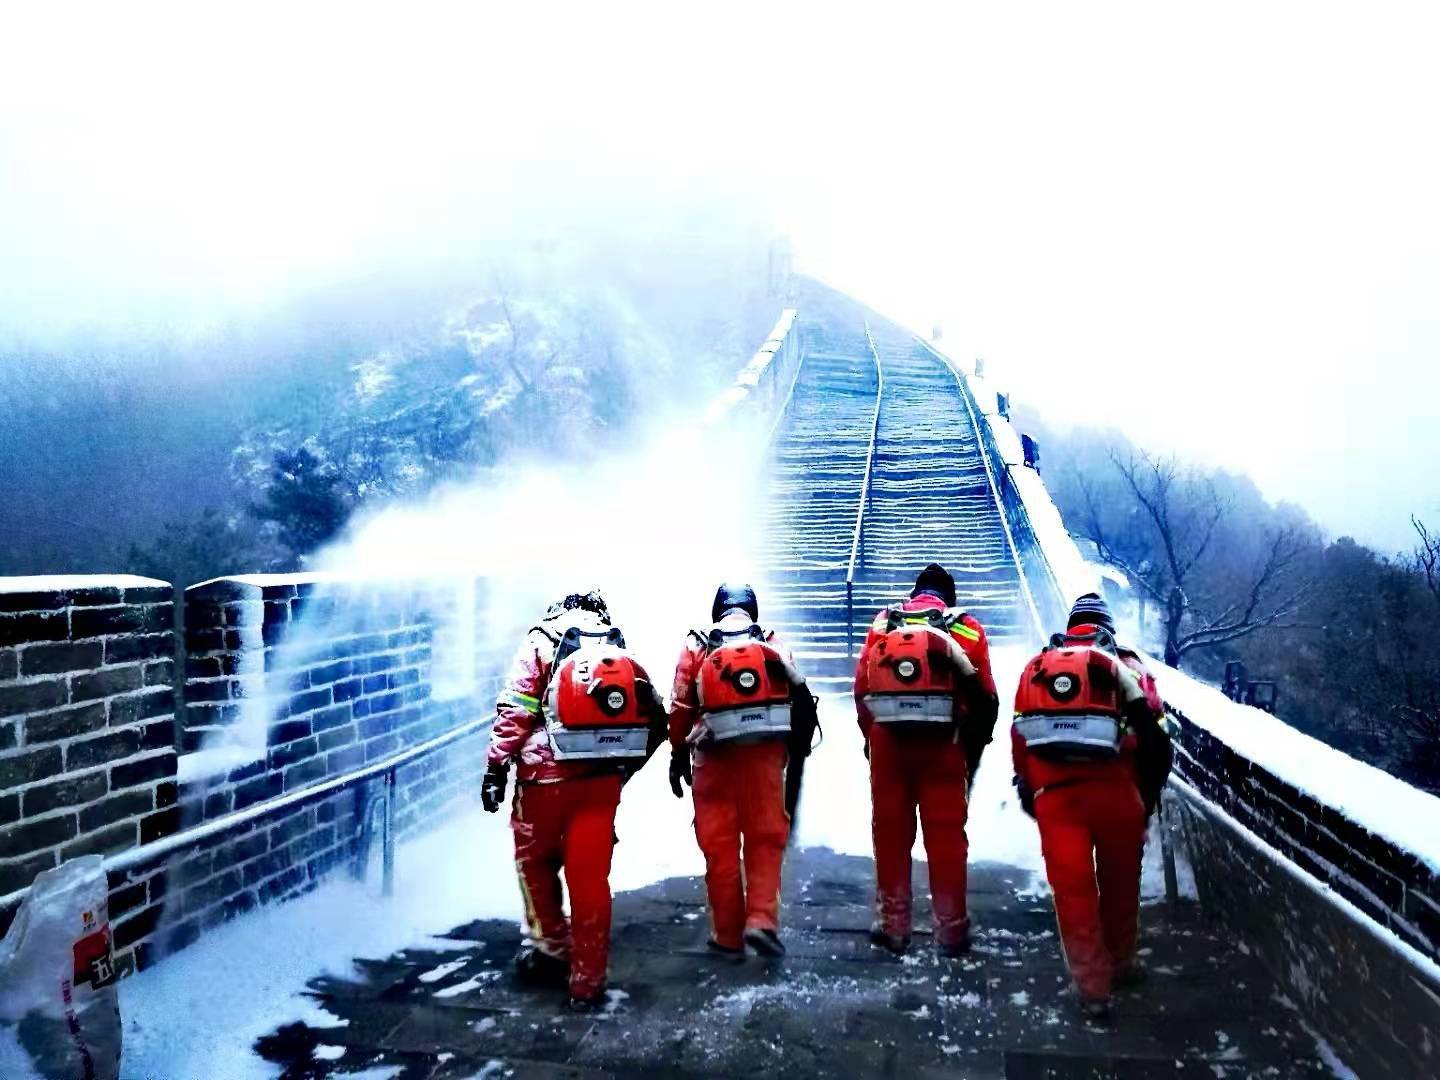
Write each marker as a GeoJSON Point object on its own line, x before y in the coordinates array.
{"type": "Point", "coordinates": [146, 853]}
{"type": "Point", "coordinates": [857, 539]}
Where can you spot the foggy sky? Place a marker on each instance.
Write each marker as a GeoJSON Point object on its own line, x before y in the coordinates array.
{"type": "Point", "coordinates": [1214, 228]}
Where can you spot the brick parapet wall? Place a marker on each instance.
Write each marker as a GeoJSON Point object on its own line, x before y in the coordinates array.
{"type": "Point", "coordinates": [299, 681]}
{"type": "Point", "coordinates": [1393, 886]}
{"type": "Point", "coordinates": [87, 729]}
{"type": "Point", "coordinates": [317, 680]}
{"type": "Point", "coordinates": [1376, 1005]}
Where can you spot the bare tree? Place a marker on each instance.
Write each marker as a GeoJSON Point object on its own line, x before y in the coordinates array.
{"type": "Point", "coordinates": [1166, 543]}
{"type": "Point", "coordinates": [1427, 557]}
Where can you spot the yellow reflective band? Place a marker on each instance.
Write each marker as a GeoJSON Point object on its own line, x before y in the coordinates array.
{"type": "Point", "coordinates": [961, 630]}
{"type": "Point", "coordinates": [525, 701]}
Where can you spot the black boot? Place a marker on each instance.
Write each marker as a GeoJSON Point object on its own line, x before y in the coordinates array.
{"type": "Point", "coordinates": [594, 1003]}
{"type": "Point", "coordinates": [764, 942]}
{"type": "Point", "coordinates": [1097, 1011]}
{"type": "Point", "coordinates": [955, 950]}
{"type": "Point", "coordinates": [726, 952]}
{"type": "Point", "coordinates": [1130, 976]}
{"type": "Point", "coordinates": [536, 967]}
{"type": "Point", "coordinates": [889, 942]}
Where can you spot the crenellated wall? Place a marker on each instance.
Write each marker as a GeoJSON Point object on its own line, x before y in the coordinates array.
{"type": "Point", "coordinates": [232, 793]}
{"type": "Point", "coordinates": [1345, 915]}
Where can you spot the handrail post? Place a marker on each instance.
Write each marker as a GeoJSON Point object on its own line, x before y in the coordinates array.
{"type": "Point", "coordinates": [387, 839]}
{"type": "Point", "coordinates": [1167, 855]}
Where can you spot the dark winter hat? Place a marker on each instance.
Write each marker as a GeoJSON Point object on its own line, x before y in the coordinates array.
{"type": "Point", "coordinates": [1091, 608]}
{"type": "Point", "coordinates": [935, 579]}
{"type": "Point", "coordinates": [730, 597]}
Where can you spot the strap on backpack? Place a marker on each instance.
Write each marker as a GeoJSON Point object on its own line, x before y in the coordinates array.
{"type": "Point", "coordinates": [574, 639]}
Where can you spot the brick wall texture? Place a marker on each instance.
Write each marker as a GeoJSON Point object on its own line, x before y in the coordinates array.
{"type": "Point", "coordinates": [1391, 885]}
{"type": "Point", "coordinates": [87, 731]}
{"type": "Point", "coordinates": [300, 682]}
{"type": "Point", "coordinates": [1376, 1005]}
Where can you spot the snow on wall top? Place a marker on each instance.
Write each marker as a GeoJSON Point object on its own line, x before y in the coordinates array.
{"type": "Point", "coordinates": [751, 374]}
{"type": "Point", "coordinates": [1370, 797]}
{"type": "Point", "coordinates": [265, 581]}
{"type": "Point", "coordinates": [1073, 572]}
{"type": "Point", "coordinates": [67, 582]}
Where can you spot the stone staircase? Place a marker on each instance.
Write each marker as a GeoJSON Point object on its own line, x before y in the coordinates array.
{"type": "Point", "coordinates": [929, 499]}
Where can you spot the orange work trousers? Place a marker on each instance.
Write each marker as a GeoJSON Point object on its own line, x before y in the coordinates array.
{"type": "Point", "coordinates": [1092, 834]}
{"type": "Point", "coordinates": [568, 825]}
{"type": "Point", "coordinates": [922, 771]}
{"type": "Point", "coordinates": [740, 820]}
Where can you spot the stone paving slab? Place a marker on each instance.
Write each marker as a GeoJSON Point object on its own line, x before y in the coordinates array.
{"type": "Point", "coordinates": [835, 1006]}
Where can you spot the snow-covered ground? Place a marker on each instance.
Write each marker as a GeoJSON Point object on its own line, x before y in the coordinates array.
{"type": "Point", "coordinates": [200, 1012]}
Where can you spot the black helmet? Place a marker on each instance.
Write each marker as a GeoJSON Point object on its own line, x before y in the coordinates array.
{"type": "Point", "coordinates": [591, 601]}
{"type": "Point", "coordinates": [729, 597]}
{"type": "Point", "coordinates": [937, 580]}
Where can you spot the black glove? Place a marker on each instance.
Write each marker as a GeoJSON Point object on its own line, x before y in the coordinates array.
{"type": "Point", "coordinates": [1027, 797]}
{"type": "Point", "coordinates": [492, 788]}
{"type": "Point", "coordinates": [1154, 756]}
{"type": "Point", "coordinates": [680, 770]}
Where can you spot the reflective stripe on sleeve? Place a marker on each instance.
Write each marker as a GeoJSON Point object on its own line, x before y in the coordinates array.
{"type": "Point", "coordinates": [524, 701]}
{"type": "Point", "coordinates": [963, 631]}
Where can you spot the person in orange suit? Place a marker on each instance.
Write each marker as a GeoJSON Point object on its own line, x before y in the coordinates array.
{"type": "Point", "coordinates": [563, 812]}
{"type": "Point", "coordinates": [926, 717]}
{"type": "Point", "coordinates": [739, 712]}
{"type": "Point", "coordinates": [1092, 804]}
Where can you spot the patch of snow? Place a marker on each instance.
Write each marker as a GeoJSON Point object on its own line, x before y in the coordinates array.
{"type": "Point", "coordinates": [468, 985]}
{"type": "Point", "coordinates": [1402, 814]}
{"type": "Point", "coordinates": [922, 1013]}
{"type": "Point", "coordinates": [68, 582]}
{"type": "Point", "coordinates": [435, 974]}
{"type": "Point", "coordinates": [270, 955]}
{"type": "Point", "coordinates": [1073, 572]}
{"type": "Point", "coordinates": [324, 1052]}
{"type": "Point", "coordinates": [1020, 997]}
{"type": "Point", "coordinates": [203, 764]}
{"type": "Point", "coordinates": [373, 376]}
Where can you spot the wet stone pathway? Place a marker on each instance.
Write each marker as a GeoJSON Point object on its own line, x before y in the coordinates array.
{"type": "Point", "coordinates": [835, 1006]}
